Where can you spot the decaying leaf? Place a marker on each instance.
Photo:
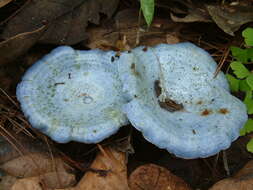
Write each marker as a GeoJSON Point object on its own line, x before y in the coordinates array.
{"type": "Point", "coordinates": [153, 177]}
{"type": "Point", "coordinates": [17, 45]}
{"type": "Point", "coordinates": [6, 182]}
{"type": "Point", "coordinates": [4, 2]}
{"type": "Point", "coordinates": [230, 18]}
{"type": "Point", "coordinates": [243, 180]}
{"type": "Point", "coordinates": [125, 32]}
{"type": "Point", "coordinates": [108, 172]}
{"type": "Point", "coordinates": [33, 164]}
{"type": "Point", "coordinates": [22, 145]}
{"type": "Point", "coordinates": [191, 17]}
{"type": "Point", "coordinates": [28, 184]}
{"type": "Point", "coordinates": [48, 180]}
{"type": "Point", "coordinates": [66, 20]}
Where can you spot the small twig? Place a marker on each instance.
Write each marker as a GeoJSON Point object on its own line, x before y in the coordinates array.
{"type": "Point", "coordinates": [223, 59]}
{"type": "Point", "coordinates": [225, 162]}
{"type": "Point", "coordinates": [138, 30]}
{"type": "Point", "coordinates": [9, 97]}
{"type": "Point", "coordinates": [53, 161]}
{"type": "Point", "coordinates": [215, 164]}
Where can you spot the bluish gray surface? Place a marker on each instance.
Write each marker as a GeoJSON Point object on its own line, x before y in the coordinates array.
{"type": "Point", "coordinates": [206, 117]}
{"type": "Point", "coordinates": [73, 95]}
{"type": "Point", "coordinates": [167, 92]}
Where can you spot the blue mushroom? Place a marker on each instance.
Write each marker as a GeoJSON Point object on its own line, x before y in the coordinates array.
{"type": "Point", "coordinates": [168, 92]}
{"type": "Point", "coordinates": [73, 95]}
{"type": "Point", "coordinates": [176, 102]}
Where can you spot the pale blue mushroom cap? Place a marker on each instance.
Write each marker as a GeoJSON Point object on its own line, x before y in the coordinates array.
{"type": "Point", "coordinates": [176, 102]}
{"type": "Point", "coordinates": [73, 95]}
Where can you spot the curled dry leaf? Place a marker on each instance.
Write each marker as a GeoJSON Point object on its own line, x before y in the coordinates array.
{"type": "Point", "coordinates": [28, 184]}
{"type": "Point", "coordinates": [243, 180]}
{"type": "Point", "coordinates": [230, 18]}
{"type": "Point", "coordinates": [6, 182]}
{"type": "Point", "coordinates": [23, 145]}
{"type": "Point", "coordinates": [33, 164]}
{"type": "Point", "coordinates": [49, 180]}
{"type": "Point", "coordinates": [66, 20]}
{"type": "Point", "coordinates": [153, 177]}
{"type": "Point", "coordinates": [108, 172]}
{"type": "Point", "coordinates": [113, 163]}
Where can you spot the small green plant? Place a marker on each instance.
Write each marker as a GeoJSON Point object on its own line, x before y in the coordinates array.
{"type": "Point", "coordinates": [148, 9]}
{"type": "Point", "coordinates": [242, 80]}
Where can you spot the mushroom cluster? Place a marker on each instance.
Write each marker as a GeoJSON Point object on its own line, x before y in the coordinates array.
{"type": "Point", "coordinates": [168, 92]}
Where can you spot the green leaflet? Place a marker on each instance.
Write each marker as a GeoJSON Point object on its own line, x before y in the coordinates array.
{"type": "Point", "coordinates": [243, 86]}
{"type": "Point", "coordinates": [248, 101]}
{"type": "Point", "coordinates": [239, 69]}
{"type": "Point", "coordinates": [233, 83]}
{"type": "Point", "coordinates": [249, 80]}
{"type": "Point", "coordinates": [248, 127]}
{"type": "Point", "coordinates": [248, 36]}
{"type": "Point", "coordinates": [148, 9]}
{"type": "Point", "coordinates": [250, 146]}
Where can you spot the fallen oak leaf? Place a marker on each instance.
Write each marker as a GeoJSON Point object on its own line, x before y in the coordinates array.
{"type": "Point", "coordinates": [17, 45]}
{"type": "Point", "coordinates": [153, 177]}
{"type": "Point", "coordinates": [108, 172]}
{"type": "Point", "coordinates": [243, 180]}
{"type": "Point", "coordinates": [230, 18]}
{"type": "Point", "coordinates": [66, 20]}
{"type": "Point", "coordinates": [33, 164]}
{"type": "Point", "coordinates": [28, 184]}
{"type": "Point", "coordinates": [47, 180]}
{"type": "Point", "coordinates": [6, 181]}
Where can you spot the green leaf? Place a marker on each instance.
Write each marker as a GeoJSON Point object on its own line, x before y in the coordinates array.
{"type": "Point", "coordinates": [247, 128]}
{"type": "Point", "coordinates": [249, 80]}
{"type": "Point", "coordinates": [240, 54]}
{"type": "Point", "coordinates": [233, 83]}
{"type": "Point", "coordinates": [248, 101]}
{"type": "Point", "coordinates": [239, 69]}
{"type": "Point", "coordinates": [250, 53]}
{"type": "Point", "coordinates": [248, 36]}
{"type": "Point", "coordinates": [243, 86]}
{"type": "Point", "coordinates": [250, 146]}
{"type": "Point", "coordinates": [148, 9]}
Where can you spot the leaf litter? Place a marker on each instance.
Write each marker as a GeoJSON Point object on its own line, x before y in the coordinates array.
{"type": "Point", "coordinates": [67, 23]}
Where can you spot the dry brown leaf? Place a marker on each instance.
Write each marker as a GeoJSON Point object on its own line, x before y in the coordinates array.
{"type": "Point", "coordinates": [33, 164]}
{"type": "Point", "coordinates": [153, 177]}
{"type": "Point", "coordinates": [230, 18]}
{"type": "Point", "coordinates": [58, 179]}
{"type": "Point", "coordinates": [28, 184]}
{"type": "Point", "coordinates": [109, 172]}
{"type": "Point", "coordinates": [66, 20]}
{"type": "Point", "coordinates": [48, 180]}
{"type": "Point", "coordinates": [125, 32]}
{"type": "Point", "coordinates": [6, 182]}
{"type": "Point", "coordinates": [4, 2]}
{"type": "Point", "coordinates": [243, 180]}
{"type": "Point", "coordinates": [23, 145]}
{"type": "Point", "coordinates": [114, 165]}
{"type": "Point", "coordinates": [17, 45]}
